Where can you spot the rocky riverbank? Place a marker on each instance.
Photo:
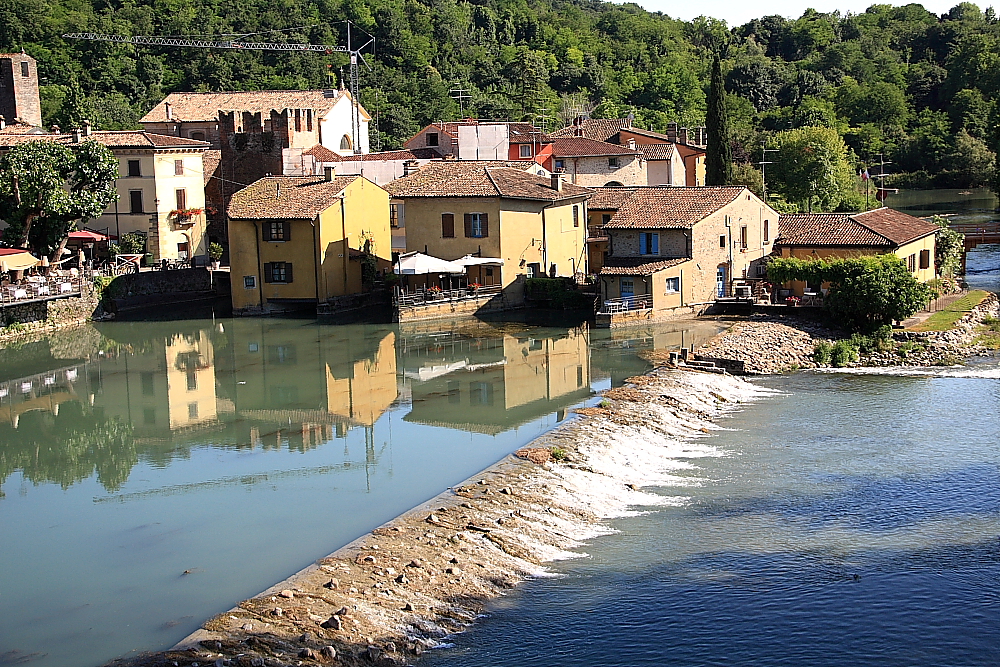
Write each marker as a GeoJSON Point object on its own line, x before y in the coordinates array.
{"type": "Point", "coordinates": [770, 344]}
{"type": "Point", "coordinates": [407, 585]}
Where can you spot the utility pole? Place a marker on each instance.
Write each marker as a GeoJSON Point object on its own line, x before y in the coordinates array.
{"type": "Point", "coordinates": [763, 161]}
{"type": "Point", "coordinates": [460, 95]}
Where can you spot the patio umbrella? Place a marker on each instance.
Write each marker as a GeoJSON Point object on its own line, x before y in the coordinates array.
{"type": "Point", "coordinates": [417, 263]}
{"type": "Point", "coordinates": [16, 259]}
{"type": "Point", "coordinates": [89, 236]}
{"type": "Point", "coordinates": [469, 260]}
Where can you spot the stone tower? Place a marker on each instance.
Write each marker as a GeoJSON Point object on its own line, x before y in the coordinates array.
{"type": "Point", "coordinates": [19, 89]}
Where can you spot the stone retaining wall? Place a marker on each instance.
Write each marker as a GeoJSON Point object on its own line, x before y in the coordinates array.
{"type": "Point", "coordinates": [41, 316]}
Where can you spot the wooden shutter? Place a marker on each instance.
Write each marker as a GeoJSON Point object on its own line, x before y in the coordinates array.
{"type": "Point", "coordinates": [448, 225]}
{"type": "Point", "coordinates": [925, 259]}
{"type": "Point", "coordinates": [287, 232]}
{"type": "Point", "coordinates": [265, 231]}
{"type": "Point", "coordinates": [181, 199]}
{"type": "Point", "coordinates": [643, 244]}
{"type": "Point", "coordinates": [654, 244]}
{"type": "Point", "coordinates": [486, 224]}
{"type": "Point", "coordinates": [288, 270]}
{"type": "Point", "coordinates": [267, 272]}
{"type": "Point", "coordinates": [468, 225]}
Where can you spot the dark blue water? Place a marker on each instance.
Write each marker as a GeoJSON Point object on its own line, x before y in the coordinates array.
{"type": "Point", "coordinates": [854, 520]}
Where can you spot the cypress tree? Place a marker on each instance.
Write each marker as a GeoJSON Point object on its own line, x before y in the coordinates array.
{"type": "Point", "coordinates": [719, 154]}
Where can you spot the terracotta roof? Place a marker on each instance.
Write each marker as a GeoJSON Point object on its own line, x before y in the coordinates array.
{"type": "Point", "coordinates": [110, 138]}
{"type": "Point", "coordinates": [898, 227]}
{"type": "Point", "coordinates": [598, 129]}
{"type": "Point", "coordinates": [881, 228]}
{"type": "Point", "coordinates": [609, 199]}
{"type": "Point", "coordinates": [657, 151]}
{"type": "Point", "coordinates": [287, 197]}
{"type": "Point", "coordinates": [669, 207]}
{"type": "Point", "coordinates": [210, 161]}
{"type": "Point", "coordinates": [20, 128]}
{"type": "Point", "coordinates": [469, 178]}
{"type": "Point", "coordinates": [650, 134]}
{"type": "Point", "coordinates": [583, 147]}
{"type": "Point", "coordinates": [826, 229]}
{"type": "Point", "coordinates": [638, 266]}
{"type": "Point", "coordinates": [187, 107]}
{"type": "Point", "coordinates": [407, 154]}
{"type": "Point", "coordinates": [323, 154]}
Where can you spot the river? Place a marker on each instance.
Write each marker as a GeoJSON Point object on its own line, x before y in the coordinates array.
{"type": "Point", "coordinates": [153, 474]}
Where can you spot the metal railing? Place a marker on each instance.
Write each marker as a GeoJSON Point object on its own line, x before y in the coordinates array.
{"type": "Point", "coordinates": [425, 297]}
{"type": "Point", "coordinates": [626, 303]}
{"type": "Point", "coordinates": [42, 288]}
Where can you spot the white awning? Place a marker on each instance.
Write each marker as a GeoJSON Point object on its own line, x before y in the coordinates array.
{"type": "Point", "coordinates": [15, 259]}
{"type": "Point", "coordinates": [417, 263]}
{"type": "Point", "coordinates": [469, 260]}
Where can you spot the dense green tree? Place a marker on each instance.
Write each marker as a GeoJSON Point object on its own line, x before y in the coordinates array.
{"type": "Point", "coordinates": [719, 155]}
{"type": "Point", "coordinates": [949, 246]}
{"type": "Point", "coordinates": [811, 166]}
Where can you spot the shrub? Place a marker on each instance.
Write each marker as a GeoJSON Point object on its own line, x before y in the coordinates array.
{"type": "Point", "coordinates": [879, 340]}
{"type": "Point", "coordinates": [215, 251]}
{"type": "Point", "coordinates": [558, 454]}
{"type": "Point", "coordinates": [843, 353]}
{"type": "Point", "coordinates": [822, 352]}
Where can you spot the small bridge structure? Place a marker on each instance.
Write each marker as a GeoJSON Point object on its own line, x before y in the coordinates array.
{"type": "Point", "coordinates": [978, 233]}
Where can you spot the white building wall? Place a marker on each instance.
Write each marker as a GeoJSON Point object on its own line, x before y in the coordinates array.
{"type": "Point", "coordinates": [337, 123]}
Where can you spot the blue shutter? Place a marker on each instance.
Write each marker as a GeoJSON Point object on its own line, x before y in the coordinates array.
{"type": "Point", "coordinates": [643, 244]}
{"type": "Point", "coordinates": [655, 238]}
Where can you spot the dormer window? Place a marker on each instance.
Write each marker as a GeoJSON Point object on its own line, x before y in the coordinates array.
{"type": "Point", "coordinates": [432, 138]}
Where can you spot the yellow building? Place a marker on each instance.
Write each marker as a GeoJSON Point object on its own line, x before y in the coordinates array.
{"type": "Point", "coordinates": [306, 240]}
{"type": "Point", "coordinates": [878, 232]}
{"type": "Point", "coordinates": [536, 225]}
{"type": "Point", "coordinates": [161, 188]}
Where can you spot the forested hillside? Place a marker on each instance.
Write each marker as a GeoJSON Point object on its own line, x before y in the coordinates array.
{"type": "Point", "coordinates": [918, 87]}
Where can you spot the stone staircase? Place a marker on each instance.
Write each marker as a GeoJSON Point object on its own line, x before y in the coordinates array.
{"type": "Point", "coordinates": [688, 360]}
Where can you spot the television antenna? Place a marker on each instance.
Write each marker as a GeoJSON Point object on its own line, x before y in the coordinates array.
{"type": "Point", "coordinates": [763, 162]}
{"type": "Point", "coordinates": [460, 95]}
{"type": "Point", "coordinates": [354, 51]}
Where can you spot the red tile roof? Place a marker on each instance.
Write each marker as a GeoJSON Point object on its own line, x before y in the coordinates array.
{"type": "Point", "coordinates": [583, 147]}
{"type": "Point", "coordinates": [406, 154]}
{"type": "Point", "coordinates": [657, 151]}
{"type": "Point", "coordinates": [469, 178]}
{"type": "Point", "coordinates": [323, 154]}
{"type": "Point", "coordinates": [668, 207]}
{"type": "Point", "coordinates": [210, 163]}
{"type": "Point", "coordinates": [638, 266]}
{"type": "Point", "coordinates": [881, 228]}
{"type": "Point", "coordinates": [19, 128]}
{"type": "Point", "coordinates": [609, 199]}
{"type": "Point", "coordinates": [205, 107]}
{"type": "Point", "coordinates": [287, 197]}
{"type": "Point", "coordinates": [110, 138]}
{"type": "Point", "coordinates": [598, 129]}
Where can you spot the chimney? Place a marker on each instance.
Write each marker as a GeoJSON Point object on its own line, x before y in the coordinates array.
{"type": "Point", "coordinates": [672, 132]}
{"type": "Point", "coordinates": [86, 128]}
{"type": "Point", "coordinates": [704, 136]}
{"type": "Point", "coordinates": [682, 135]}
{"type": "Point", "coordinates": [55, 129]}
{"type": "Point", "coordinates": [3, 122]}
{"type": "Point", "coordinates": [170, 110]}
{"type": "Point", "coordinates": [328, 173]}
{"type": "Point", "coordinates": [631, 144]}
{"type": "Point", "coordinates": [410, 167]}
{"type": "Point", "coordinates": [557, 181]}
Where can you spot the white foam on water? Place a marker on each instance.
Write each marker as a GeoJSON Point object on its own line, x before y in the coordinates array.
{"type": "Point", "coordinates": [986, 371]}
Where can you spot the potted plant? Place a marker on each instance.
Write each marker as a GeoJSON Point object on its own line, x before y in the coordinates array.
{"type": "Point", "coordinates": [215, 254]}
{"type": "Point", "coordinates": [792, 301]}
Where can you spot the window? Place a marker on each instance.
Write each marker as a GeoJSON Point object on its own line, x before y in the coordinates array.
{"type": "Point", "coordinates": [282, 354]}
{"type": "Point", "coordinates": [253, 347]}
{"type": "Point", "coordinates": [249, 282]}
{"type": "Point", "coordinates": [182, 250]}
{"type": "Point", "coordinates": [605, 218]}
{"type": "Point", "coordinates": [534, 270]}
{"type": "Point", "coordinates": [454, 391]}
{"type": "Point", "coordinates": [178, 167]}
{"type": "Point", "coordinates": [135, 201]}
{"type": "Point", "coordinates": [278, 272]}
{"type": "Point", "coordinates": [525, 150]}
{"type": "Point", "coordinates": [576, 215]}
{"type": "Point", "coordinates": [192, 380]}
{"type": "Point", "coordinates": [911, 263]}
{"type": "Point", "coordinates": [743, 237]}
{"type": "Point", "coordinates": [481, 393]}
{"type": "Point", "coordinates": [345, 143]}
{"type": "Point", "coordinates": [925, 259]}
{"type": "Point", "coordinates": [192, 410]}
{"type": "Point", "coordinates": [476, 226]}
{"type": "Point", "coordinates": [24, 68]}
{"type": "Point", "coordinates": [147, 384]}
{"type": "Point", "coordinates": [394, 215]}
{"type": "Point", "coordinates": [613, 162]}
{"type": "Point", "coordinates": [198, 136]}
{"type": "Point", "coordinates": [767, 231]}
{"type": "Point", "coordinates": [673, 285]}
{"type": "Point", "coordinates": [448, 225]}
{"type": "Point", "coordinates": [560, 164]}
{"type": "Point", "coordinates": [722, 241]}
{"type": "Point", "coordinates": [579, 375]}
{"type": "Point", "coordinates": [432, 138]}
{"type": "Point", "coordinates": [649, 243]}
{"type": "Point", "coordinates": [134, 168]}
{"type": "Point", "coordinates": [277, 231]}
{"type": "Point", "coordinates": [148, 416]}
{"type": "Point", "coordinates": [182, 198]}
{"type": "Point", "coordinates": [627, 287]}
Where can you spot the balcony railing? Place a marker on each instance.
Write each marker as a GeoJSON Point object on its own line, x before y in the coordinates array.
{"type": "Point", "coordinates": [426, 297]}
{"type": "Point", "coordinates": [625, 304]}
{"type": "Point", "coordinates": [41, 288]}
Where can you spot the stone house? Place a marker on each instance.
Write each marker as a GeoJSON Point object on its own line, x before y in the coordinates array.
{"type": "Point", "coordinates": [298, 242]}
{"type": "Point", "coordinates": [591, 163]}
{"type": "Point", "coordinates": [19, 100]}
{"type": "Point", "coordinates": [161, 190]}
{"type": "Point", "coordinates": [533, 225]}
{"type": "Point", "coordinates": [877, 232]}
{"type": "Point", "coordinates": [678, 249]}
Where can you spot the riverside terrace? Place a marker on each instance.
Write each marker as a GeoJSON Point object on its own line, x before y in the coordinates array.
{"type": "Point", "coordinates": [56, 285]}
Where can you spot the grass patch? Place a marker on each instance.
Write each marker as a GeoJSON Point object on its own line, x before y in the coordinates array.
{"type": "Point", "coordinates": [945, 319]}
{"type": "Point", "coordinates": [989, 333]}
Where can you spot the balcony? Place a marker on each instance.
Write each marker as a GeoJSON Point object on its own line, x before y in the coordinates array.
{"type": "Point", "coordinates": [626, 304]}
